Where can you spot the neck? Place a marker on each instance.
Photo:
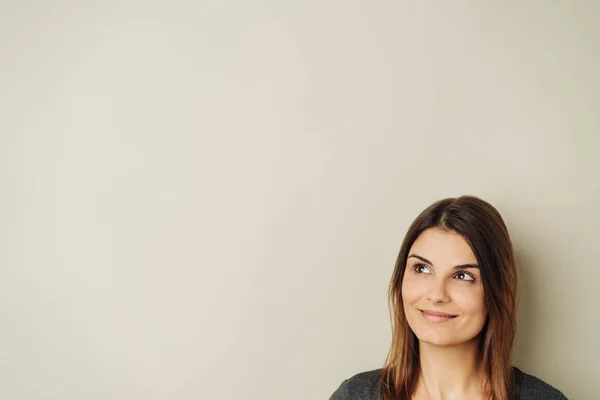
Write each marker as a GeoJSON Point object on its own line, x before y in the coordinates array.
{"type": "Point", "coordinates": [450, 372]}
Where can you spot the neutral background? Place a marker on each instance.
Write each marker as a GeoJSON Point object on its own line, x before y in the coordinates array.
{"type": "Point", "coordinates": [204, 199]}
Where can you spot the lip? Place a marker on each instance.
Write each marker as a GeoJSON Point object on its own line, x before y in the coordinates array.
{"type": "Point", "coordinates": [436, 316]}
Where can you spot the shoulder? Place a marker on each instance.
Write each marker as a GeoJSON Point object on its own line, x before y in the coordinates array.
{"type": "Point", "coordinates": [530, 387]}
{"type": "Point", "coordinates": [365, 386]}
{"type": "Point", "coordinates": [362, 386]}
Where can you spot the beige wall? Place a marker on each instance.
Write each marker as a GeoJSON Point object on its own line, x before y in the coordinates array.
{"type": "Point", "coordinates": [204, 200]}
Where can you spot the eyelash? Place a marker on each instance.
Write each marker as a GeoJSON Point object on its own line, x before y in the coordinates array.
{"type": "Point", "coordinates": [416, 267]}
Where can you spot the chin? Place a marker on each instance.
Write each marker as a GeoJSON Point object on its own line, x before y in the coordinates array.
{"type": "Point", "coordinates": [443, 338]}
{"type": "Point", "coordinates": [437, 339]}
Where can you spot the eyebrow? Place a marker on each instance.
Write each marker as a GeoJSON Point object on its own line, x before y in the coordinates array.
{"type": "Point", "coordinates": [461, 266]}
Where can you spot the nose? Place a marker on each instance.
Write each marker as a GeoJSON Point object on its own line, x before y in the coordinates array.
{"type": "Point", "coordinates": [438, 292]}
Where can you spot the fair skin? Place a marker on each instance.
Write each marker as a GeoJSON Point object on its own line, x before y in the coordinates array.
{"type": "Point", "coordinates": [443, 302]}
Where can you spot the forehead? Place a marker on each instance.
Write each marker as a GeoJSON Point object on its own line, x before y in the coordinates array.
{"type": "Point", "coordinates": [443, 248]}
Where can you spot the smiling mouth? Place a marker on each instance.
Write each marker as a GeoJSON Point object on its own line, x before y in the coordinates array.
{"type": "Point", "coordinates": [437, 316]}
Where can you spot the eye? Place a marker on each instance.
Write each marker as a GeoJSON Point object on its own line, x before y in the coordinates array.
{"type": "Point", "coordinates": [464, 276]}
{"type": "Point", "coordinates": [420, 268]}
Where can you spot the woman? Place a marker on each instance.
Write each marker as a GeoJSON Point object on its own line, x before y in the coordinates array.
{"type": "Point", "coordinates": [453, 300]}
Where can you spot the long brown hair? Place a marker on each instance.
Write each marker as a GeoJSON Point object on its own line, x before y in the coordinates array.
{"type": "Point", "coordinates": [482, 226]}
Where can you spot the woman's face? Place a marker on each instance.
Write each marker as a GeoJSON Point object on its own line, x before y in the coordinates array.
{"type": "Point", "coordinates": [442, 291]}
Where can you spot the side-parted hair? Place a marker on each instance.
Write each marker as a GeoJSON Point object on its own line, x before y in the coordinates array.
{"type": "Point", "coordinates": [482, 226]}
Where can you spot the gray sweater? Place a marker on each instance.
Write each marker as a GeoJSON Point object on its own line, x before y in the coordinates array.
{"type": "Point", "coordinates": [364, 386]}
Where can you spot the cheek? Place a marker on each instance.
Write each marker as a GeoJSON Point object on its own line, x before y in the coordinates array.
{"type": "Point", "coordinates": [410, 289]}
{"type": "Point", "coordinates": [471, 301]}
